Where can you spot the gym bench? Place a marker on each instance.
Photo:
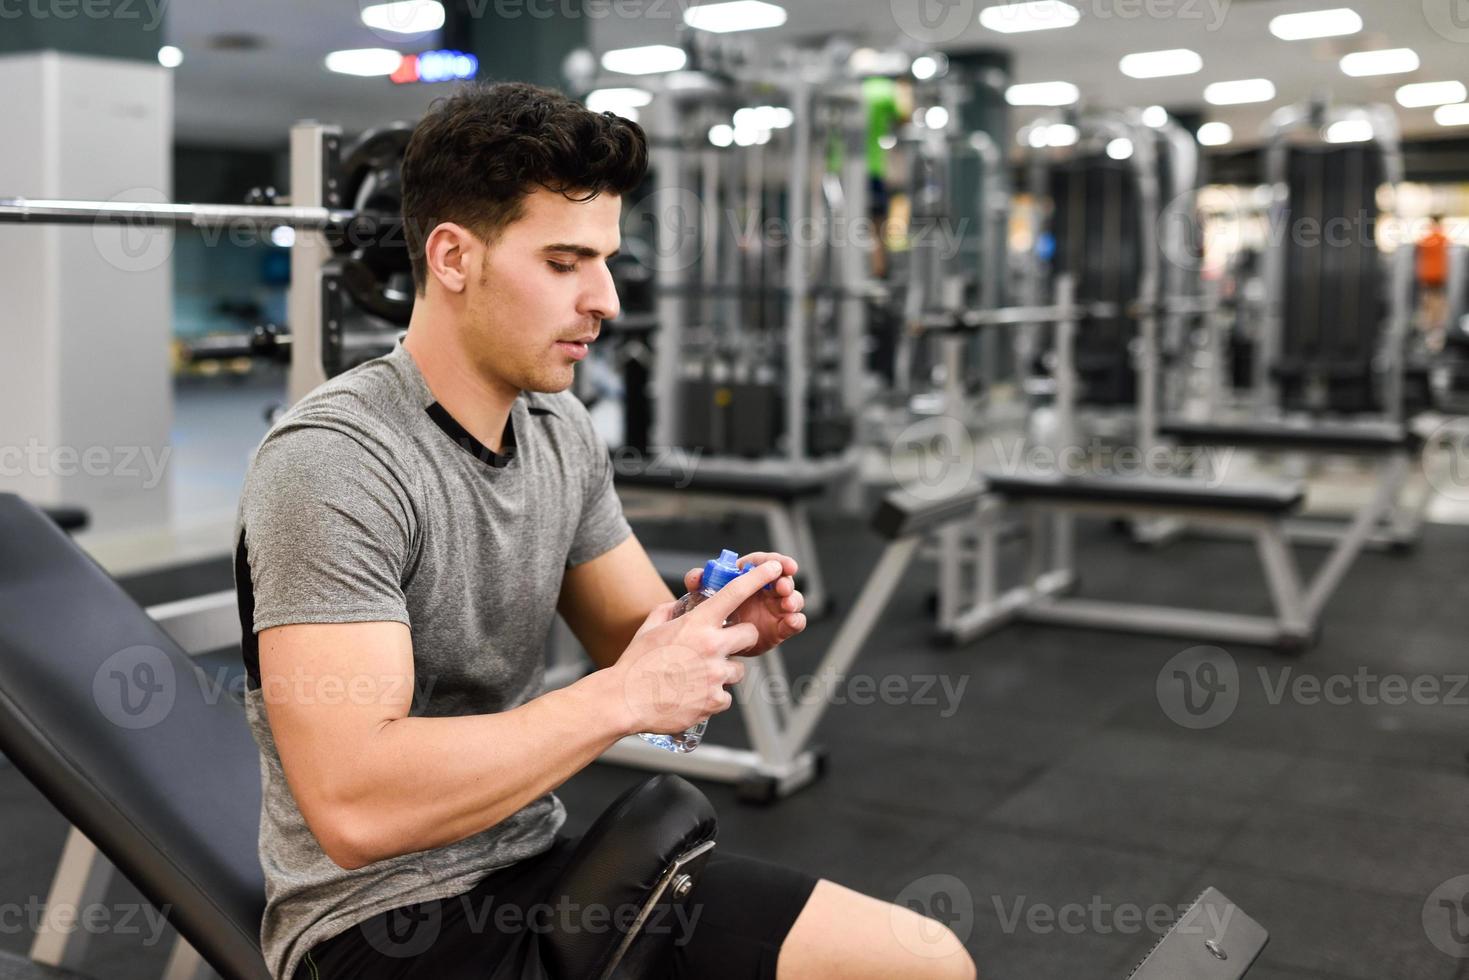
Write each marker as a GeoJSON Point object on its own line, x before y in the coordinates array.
{"type": "Point", "coordinates": [1049, 504]}
{"type": "Point", "coordinates": [1382, 520]}
{"type": "Point", "coordinates": [168, 792]}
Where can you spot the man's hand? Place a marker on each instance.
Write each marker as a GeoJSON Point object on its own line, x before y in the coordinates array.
{"type": "Point", "coordinates": [676, 671]}
{"type": "Point", "coordinates": [775, 612]}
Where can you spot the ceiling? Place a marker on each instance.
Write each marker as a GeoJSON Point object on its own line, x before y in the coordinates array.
{"type": "Point", "coordinates": [250, 97]}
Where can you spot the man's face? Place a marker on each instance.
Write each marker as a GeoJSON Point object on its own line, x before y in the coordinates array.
{"type": "Point", "coordinates": [543, 290]}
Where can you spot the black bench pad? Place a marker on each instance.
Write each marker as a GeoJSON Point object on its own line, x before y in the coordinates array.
{"type": "Point", "coordinates": [1171, 492]}
{"type": "Point", "coordinates": [1354, 437]}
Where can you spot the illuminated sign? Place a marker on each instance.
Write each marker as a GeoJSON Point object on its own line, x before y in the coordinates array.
{"type": "Point", "coordinates": [435, 66]}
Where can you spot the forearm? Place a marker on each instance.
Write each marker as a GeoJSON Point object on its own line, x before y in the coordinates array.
{"type": "Point", "coordinates": [429, 782]}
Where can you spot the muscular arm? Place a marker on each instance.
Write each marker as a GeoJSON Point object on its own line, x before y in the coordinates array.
{"type": "Point", "coordinates": [373, 782]}
{"type": "Point", "coordinates": [605, 600]}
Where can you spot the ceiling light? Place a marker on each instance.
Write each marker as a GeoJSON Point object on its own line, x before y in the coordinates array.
{"type": "Point", "coordinates": [618, 100]}
{"type": "Point", "coordinates": [1061, 134]}
{"type": "Point", "coordinates": [1042, 93]}
{"type": "Point", "coordinates": [1038, 15]}
{"type": "Point", "coordinates": [1120, 148]}
{"type": "Point", "coordinates": [937, 117]}
{"type": "Point", "coordinates": [645, 60]}
{"type": "Point", "coordinates": [927, 66]}
{"type": "Point", "coordinates": [1160, 64]}
{"type": "Point", "coordinates": [721, 134]}
{"type": "Point", "coordinates": [404, 16]}
{"type": "Point", "coordinates": [170, 56]}
{"type": "Point", "coordinates": [1391, 61]}
{"type": "Point", "coordinates": [1215, 134]}
{"type": "Point", "coordinates": [1452, 115]}
{"type": "Point", "coordinates": [364, 62]}
{"type": "Point", "coordinates": [1316, 23]}
{"type": "Point", "coordinates": [737, 15]}
{"type": "Point", "coordinates": [1349, 131]}
{"type": "Point", "coordinates": [1421, 94]}
{"type": "Point", "coordinates": [1240, 91]}
{"type": "Point", "coordinates": [763, 117]}
{"type": "Point", "coordinates": [1036, 138]}
{"type": "Point", "coordinates": [1155, 116]}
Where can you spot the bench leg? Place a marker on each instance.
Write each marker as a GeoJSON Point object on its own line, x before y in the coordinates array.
{"type": "Point", "coordinates": [1329, 576]}
{"type": "Point", "coordinates": [1283, 580]}
{"type": "Point", "coordinates": [81, 881]}
{"type": "Point", "coordinates": [790, 534]}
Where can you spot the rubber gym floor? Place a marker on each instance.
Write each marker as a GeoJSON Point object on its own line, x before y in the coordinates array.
{"type": "Point", "coordinates": [1056, 785]}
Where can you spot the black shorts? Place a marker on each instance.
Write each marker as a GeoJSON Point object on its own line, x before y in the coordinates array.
{"type": "Point", "coordinates": [731, 927]}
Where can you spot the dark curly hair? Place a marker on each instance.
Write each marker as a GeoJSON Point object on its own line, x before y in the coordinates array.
{"type": "Point", "coordinates": [477, 154]}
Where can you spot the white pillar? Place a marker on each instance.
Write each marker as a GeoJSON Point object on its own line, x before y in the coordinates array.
{"type": "Point", "coordinates": [86, 311]}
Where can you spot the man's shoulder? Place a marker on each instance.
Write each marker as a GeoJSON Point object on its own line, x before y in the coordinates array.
{"type": "Point", "coordinates": [360, 416]}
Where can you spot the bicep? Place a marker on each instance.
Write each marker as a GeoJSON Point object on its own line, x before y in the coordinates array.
{"type": "Point", "coordinates": [605, 600]}
{"type": "Point", "coordinates": [327, 689]}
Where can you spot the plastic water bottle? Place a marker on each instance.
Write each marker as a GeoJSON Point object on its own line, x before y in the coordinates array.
{"type": "Point", "coordinates": [717, 573]}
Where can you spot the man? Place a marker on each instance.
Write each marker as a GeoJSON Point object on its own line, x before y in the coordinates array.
{"type": "Point", "coordinates": [1433, 277]}
{"type": "Point", "coordinates": [407, 533]}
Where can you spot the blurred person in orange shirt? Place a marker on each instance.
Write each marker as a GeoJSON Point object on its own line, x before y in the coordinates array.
{"type": "Point", "coordinates": [1433, 275]}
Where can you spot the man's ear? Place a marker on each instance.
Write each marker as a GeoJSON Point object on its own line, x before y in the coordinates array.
{"type": "Point", "coordinates": [450, 252]}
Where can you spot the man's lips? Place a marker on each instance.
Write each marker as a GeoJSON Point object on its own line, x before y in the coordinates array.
{"type": "Point", "coordinates": [576, 349]}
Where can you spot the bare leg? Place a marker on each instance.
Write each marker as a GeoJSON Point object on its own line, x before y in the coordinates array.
{"type": "Point", "coordinates": [847, 935]}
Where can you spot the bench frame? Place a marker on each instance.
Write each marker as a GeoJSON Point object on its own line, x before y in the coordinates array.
{"type": "Point", "coordinates": [1050, 575]}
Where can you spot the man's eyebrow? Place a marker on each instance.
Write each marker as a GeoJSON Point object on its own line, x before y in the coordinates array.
{"type": "Point", "coordinates": [585, 251]}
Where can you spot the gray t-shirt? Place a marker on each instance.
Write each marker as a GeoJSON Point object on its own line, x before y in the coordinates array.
{"type": "Point", "coordinates": [368, 502]}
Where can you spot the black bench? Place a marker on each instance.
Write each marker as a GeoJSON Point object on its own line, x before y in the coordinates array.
{"type": "Point", "coordinates": [1170, 493]}
{"type": "Point", "coordinates": [1326, 437]}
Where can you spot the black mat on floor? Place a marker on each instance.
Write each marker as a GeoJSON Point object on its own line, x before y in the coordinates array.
{"type": "Point", "coordinates": [1049, 782]}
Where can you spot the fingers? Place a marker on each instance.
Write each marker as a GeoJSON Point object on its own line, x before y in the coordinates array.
{"type": "Point", "coordinates": [784, 585]}
{"type": "Point", "coordinates": [735, 672]}
{"type": "Point", "coordinates": [723, 603]}
{"type": "Point", "coordinates": [692, 579]}
{"type": "Point", "coordinates": [738, 638]}
{"type": "Point", "coordinates": [792, 603]}
{"type": "Point", "coordinates": [789, 567]}
{"type": "Point", "coordinates": [792, 625]}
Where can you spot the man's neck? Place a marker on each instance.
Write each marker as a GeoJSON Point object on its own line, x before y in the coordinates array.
{"type": "Point", "coordinates": [479, 404]}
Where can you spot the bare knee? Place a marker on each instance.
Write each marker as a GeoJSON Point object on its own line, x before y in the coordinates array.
{"type": "Point", "coordinates": [937, 953]}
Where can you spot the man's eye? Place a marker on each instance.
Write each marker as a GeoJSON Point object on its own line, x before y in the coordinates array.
{"type": "Point", "coordinates": [560, 266]}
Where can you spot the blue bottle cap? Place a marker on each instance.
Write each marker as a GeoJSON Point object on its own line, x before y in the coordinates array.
{"type": "Point", "coordinates": [720, 571]}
